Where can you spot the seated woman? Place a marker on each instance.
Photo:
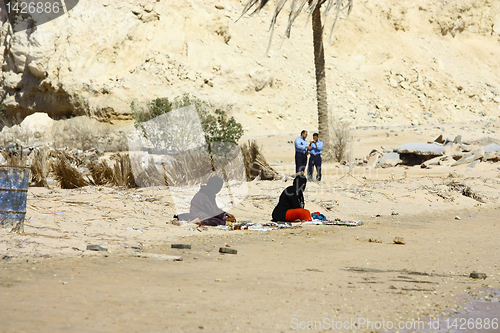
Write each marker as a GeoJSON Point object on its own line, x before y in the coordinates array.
{"type": "Point", "coordinates": [291, 204]}
{"type": "Point", "coordinates": [203, 204]}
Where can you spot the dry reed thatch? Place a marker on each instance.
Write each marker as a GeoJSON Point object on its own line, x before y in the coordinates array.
{"type": "Point", "coordinates": [67, 175]}
{"type": "Point", "coordinates": [16, 160]}
{"type": "Point", "coordinates": [255, 163]}
{"type": "Point", "coordinates": [228, 162]}
{"type": "Point", "coordinates": [466, 191]}
{"type": "Point", "coordinates": [147, 176]}
{"type": "Point", "coordinates": [39, 168]}
{"type": "Point", "coordinates": [102, 173]}
{"type": "Point", "coordinates": [122, 172]}
{"type": "Point", "coordinates": [189, 168]}
{"type": "Point", "coordinates": [140, 174]}
{"type": "Point", "coordinates": [155, 176]}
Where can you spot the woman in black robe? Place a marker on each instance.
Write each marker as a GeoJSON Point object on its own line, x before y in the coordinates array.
{"type": "Point", "coordinates": [291, 204]}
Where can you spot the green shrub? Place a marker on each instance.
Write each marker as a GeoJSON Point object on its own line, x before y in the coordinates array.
{"type": "Point", "coordinates": [216, 125]}
{"type": "Point", "coordinates": [2, 113]}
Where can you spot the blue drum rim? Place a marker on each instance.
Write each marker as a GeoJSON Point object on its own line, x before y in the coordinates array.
{"type": "Point", "coordinates": [12, 190]}
{"type": "Point", "coordinates": [11, 212]}
{"type": "Point", "coordinates": [12, 167]}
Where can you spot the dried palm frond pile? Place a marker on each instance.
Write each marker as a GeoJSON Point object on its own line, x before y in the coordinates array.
{"type": "Point", "coordinates": [102, 173]}
{"type": "Point", "coordinates": [195, 166]}
{"type": "Point", "coordinates": [188, 168]}
{"type": "Point", "coordinates": [40, 168]}
{"type": "Point", "coordinates": [227, 161]}
{"type": "Point", "coordinates": [155, 176]}
{"type": "Point", "coordinates": [67, 175]}
{"type": "Point", "coordinates": [255, 163]}
{"type": "Point", "coordinates": [15, 156]}
{"type": "Point", "coordinates": [16, 160]}
{"type": "Point", "coordinates": [122, 172]}
{"type": "Point", "coordinates": [147, 174]}
{"type": "Point", "coordinates": [140, 174]}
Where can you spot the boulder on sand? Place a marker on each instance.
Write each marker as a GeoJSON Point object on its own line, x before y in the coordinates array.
{"type": "Point", "coordinates": [492, 147]}
{"type": "Point", "coordinates": [416, 153]}
{"type": "Point", "coordinates": [389, 160]}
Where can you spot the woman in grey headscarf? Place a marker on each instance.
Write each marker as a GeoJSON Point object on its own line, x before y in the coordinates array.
{"type": "Point", "coordinates": [204, 207]}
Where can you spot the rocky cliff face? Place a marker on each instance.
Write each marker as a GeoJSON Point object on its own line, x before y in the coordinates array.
{"type": "Point", "coordinates": [391, 62]}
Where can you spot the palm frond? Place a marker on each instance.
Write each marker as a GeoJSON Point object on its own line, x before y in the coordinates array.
{"type": "Point", "coordinates": [293, 16]}
{"type": "Point", "coordinates": [66, 174]}
{"type": "Point", "coordinates": [39, 168]}
{"type": "Point", "coordinates": [298, 6]}
{"type": "Point", "coordinates": [249, 6]}
{"type": "Point", "coordinates": [256, 164]}
{"type": "Point", "coordinates": [338, 9]}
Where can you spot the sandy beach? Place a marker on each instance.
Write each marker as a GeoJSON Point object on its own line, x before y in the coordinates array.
{"type": "Point", "coordinates": [279, 280]}
{"type": "Point", "coordinates": [397, 72]}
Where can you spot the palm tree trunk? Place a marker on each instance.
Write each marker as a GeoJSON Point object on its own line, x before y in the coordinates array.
{"type": "Point", "coordinates": [321, 95]}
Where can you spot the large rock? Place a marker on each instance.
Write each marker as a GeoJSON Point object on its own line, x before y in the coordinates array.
{"type": "Point", "coordinates": [38, 124]}
{"type": "Point", "coordinates": [78, 132]}
{"type": "Point", "coordinates": [34, 130]}
{"type": "Point", "coordinates": [260, 79]}
{"type": "Point", "coordinates": [422, 149]}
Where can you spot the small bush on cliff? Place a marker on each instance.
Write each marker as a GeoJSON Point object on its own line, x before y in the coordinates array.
{"type": "Point", "coordinates": [2, 114]}
{"type": "Point", "coordinates": [216, 125]}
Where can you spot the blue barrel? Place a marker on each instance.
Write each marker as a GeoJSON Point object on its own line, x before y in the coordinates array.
{"type": "Point", "coordinates": [13, 194]}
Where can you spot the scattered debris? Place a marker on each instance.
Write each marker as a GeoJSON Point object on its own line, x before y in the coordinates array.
{"type": "Point", "coordinates": [440, 151]}
{"type": "Point", "coordinates": [96, 247]}
{"type": "Point", "coordinates": [314, 270]}
{"type": "Point", "coordinates": [470, 157]}
{"type": "Point", "coordinates": [374, 240]}
{"type": "Point", "coordinates": [154, 256]}
{"type": "Point", "coordinates": [466, 191]}
{"type": "Point", "coordinates": [328, 204]}
{"type": "Point", "coordinates": [180, 246]}
{"type": "Point", "coordinates": [394, 213]}
{"type": "Point", "coordinates": [227, 250]}
{"type": "Point", "coordinates": [475, 275]}
{"type": "Point", "coordinates": [399, 240]}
